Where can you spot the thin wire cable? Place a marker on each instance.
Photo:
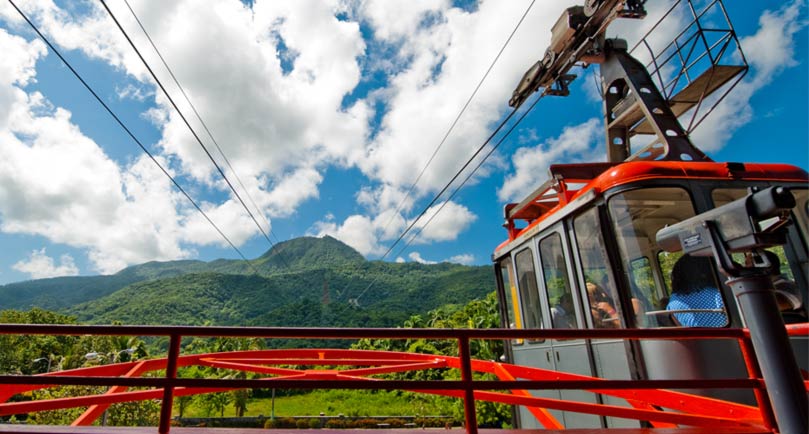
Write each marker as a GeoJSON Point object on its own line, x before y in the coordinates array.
{"type": "Point", "coordinates": [471, 173]}
{"type": "Point", "coordinates": [459, 187]}
{"type": "Point", "coordinates": [128, 131]}
{"type": "Point", "coordinates": [207, 130]}
{"type": "Point", "coordinates": [171, 100]}
{"type": "Point", "coordinates": [458, 117]}
{"type": "Point", "coordinates": [451, 181]}
{"type": "Point", "coordinates": [439, 194]}
{"type": "Point", "coordinates": [199, 118]}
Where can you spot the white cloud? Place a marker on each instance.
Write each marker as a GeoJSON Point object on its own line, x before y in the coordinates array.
{"type": "Point", "coordinates": [137, 93]}
{"type": "Point", "coordinates": [463, 259]}
{"type": "Point", "coordinates": [292, 190]}
{"type": "Point", "coordinates": [576, 143]}
{"type": "Point", "coordinates": [372, 237]}
{"type": "Point", "coordinates": [443, 222]}
{"type": "Point", "coordinates": [447, 52]}
{"type": "Point", "coordinates": [39, 265]}
{"type": "Point", "coordinates": [769, 51]}
{"type": "Point", "coordinates": [416, 257]}
{"type": "Point", "coordinates": [57, 183]}
{"type": "Point", "coordinates": [356, 231]}
{"type": "Point", "coordinates": [278, 124]}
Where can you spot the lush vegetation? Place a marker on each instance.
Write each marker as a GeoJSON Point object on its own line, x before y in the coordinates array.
{"type": "Point", "coordinates": [32, 354]}
{"type": "Point", "coordinates": [301, 282]}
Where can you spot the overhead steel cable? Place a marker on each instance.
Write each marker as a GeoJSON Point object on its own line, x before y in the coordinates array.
{"type": "Point", "coordinates": [472, 172]}
{"type": "Point", "coordinates": [129, 132]}
{"type": "Point", "coordinates": [182, 116]}
{"type": "Point", "coordinates": [446, 136]}
{"type": "Point", "coordinates": [458, 188]}
{"type": "Point", "coordinates": [460, 113]}
{"type": "Point", "coordinates": [439, 194]}
{"type": "Point", "coordinates": [199, 117]}
{"type": "Point", "coordinates": [451, 181]}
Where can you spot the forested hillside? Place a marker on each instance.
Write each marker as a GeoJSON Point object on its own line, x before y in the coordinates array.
{"type": "Point", "coordinates": [301, 282]}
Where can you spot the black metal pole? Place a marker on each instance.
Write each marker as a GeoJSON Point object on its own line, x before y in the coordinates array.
{"type": "Point", "coordinates": [754, 295]}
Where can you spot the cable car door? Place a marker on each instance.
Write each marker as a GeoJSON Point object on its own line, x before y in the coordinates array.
{"type": "Point", "coordinates": [602, 305]}
{"type": "Point", "coordinates": [532, 352]}
{"type": "Point", "coordinates": [568, 355]}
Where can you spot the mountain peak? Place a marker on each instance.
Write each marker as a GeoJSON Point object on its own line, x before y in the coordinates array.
{"type": "Point", "coordinates": [306, 252]}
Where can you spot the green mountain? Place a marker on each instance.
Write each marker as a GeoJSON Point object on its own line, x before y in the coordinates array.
{"type": "Point", "coordinates": [300, 282]}
{"type": "Point", "coordinates": [62, 292]}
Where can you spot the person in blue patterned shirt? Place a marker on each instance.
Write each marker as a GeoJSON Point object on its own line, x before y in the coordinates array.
{"type": "Point", "coordinates": [695, 299]}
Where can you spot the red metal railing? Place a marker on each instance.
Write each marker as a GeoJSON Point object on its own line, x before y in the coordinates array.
{"type": "Point", "coordinates": [645, 397]}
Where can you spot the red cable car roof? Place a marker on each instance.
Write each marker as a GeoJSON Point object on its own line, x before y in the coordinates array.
{"type": "Point", "coordinates": [570, 181]}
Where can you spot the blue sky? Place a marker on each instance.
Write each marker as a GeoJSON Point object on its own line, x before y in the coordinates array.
{"type": "Point", "coordinates": [327, 110]}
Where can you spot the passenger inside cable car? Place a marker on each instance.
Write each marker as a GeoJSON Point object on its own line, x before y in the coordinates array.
{"type": "Point", "coordinates": [695, 299]}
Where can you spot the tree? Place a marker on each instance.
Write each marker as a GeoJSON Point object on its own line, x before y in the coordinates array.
{"type": "Point", "coordinates": [482, 313]}
{"type": "Point", "coordinates": [213, 403]}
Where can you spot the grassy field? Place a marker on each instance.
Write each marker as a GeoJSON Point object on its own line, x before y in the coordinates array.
{"type": "Point", "coordinates": [335, 402]}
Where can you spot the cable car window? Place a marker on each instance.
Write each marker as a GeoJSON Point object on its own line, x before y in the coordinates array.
{"type": "Point", "coordinates": [641, 280]}
{"type": "Point", "coordinates": [790, 299]}
{"type": "Point", "coordinates": [557, 283]}
{"type": "Point", "coordinates": [513, 317]}
{"type": "Point", "coordinates": [666, 261]}
{"type": "Point", "coordinates": [529, 292]}
{"type": "Point", "coordinates": [596, 269]}
{"type": "Point", "coordinates": [695, 298]}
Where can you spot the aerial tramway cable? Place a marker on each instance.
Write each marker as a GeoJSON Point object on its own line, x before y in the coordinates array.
{"type": "Point", "coordinates": [182, 116]}
{"type": "Point", "coordinates": [129, 132]}
{"type": "Point", "coordinates": [446, 135]}
{"type": "Point", "coordinates": [458, 188]}
{"type": "Point", "coordinates": [472, 172]}
{"type": "Point", "coordinates": [199, 117]}
{"type": "Point", "coordinates": [460, 113]}
{"type": "Point", "coordinates": [204, 125]}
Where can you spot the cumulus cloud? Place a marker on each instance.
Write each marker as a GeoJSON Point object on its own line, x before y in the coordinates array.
{"type": "Point", "coordinates": [447, 52]}
{"type": "Point", "coordinates": [57, 183]}
{"type": "Point", "coordinates": [416, 257]}
{"type": "Point", "coordinates": [356, 231]}
{"type": "Point", "coordinates": [576, 143]}
{"type": "Point", "coordinates": [39, 265]}
{"type": "Point", "coordinates": [769, 51]}
{"type": "Point", "coordinates": [373, 236]}
{"type": "Point", "coordinates": [443, 222]}
{"type": "Point", "coordinates": [463, 259]}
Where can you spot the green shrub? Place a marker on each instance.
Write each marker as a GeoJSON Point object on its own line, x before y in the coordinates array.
{"type": "Point", "coordinates": [302, 424]}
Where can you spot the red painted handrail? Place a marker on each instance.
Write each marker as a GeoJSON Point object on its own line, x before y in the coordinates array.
{"type": "Point", "coordinates": [644, 396]}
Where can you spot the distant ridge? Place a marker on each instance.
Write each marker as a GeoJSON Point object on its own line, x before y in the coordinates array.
{"type": "Point", "coordinates": [300, 282]}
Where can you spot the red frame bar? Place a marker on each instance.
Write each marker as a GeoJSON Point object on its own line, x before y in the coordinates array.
{"type": "Point", "coordinates": [644, 397]}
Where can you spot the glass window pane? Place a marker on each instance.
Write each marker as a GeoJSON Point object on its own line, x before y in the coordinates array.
{"type": "Point", "coordinates": [557, 283]}
{"type": "Point", "coordinates": [513, 317]}
{"type": "Point", "coordinates": [637, 215]}
{"type": "Point", "coordinates": [790, 299]}
{"type": "Point", "coordinates": [596, 268]}
{"type": "Point", "coordinates": [529, 293]}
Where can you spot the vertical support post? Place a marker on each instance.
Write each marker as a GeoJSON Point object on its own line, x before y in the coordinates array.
{"type": "Point", "coordinates": [168, 391]}
{"type": "Point", "coordinates": [469, 391]}
{"type": "Point", "coordinates": [774, 353]}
